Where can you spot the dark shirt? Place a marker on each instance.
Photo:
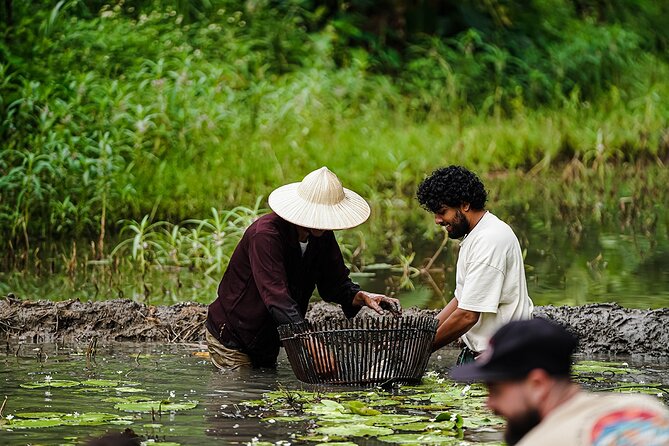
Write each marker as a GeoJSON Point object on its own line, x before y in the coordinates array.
{"type": "Point", "coordinates": [269, 282]}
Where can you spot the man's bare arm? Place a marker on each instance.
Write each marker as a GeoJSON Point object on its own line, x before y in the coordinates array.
{"type": "Point", "coordinates": [456, 324]}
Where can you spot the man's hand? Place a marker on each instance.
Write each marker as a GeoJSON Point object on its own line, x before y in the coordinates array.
{"type": "Point", "coordinates": [324, 362]}
{"type": "Point", "coordinates": [378, 302]}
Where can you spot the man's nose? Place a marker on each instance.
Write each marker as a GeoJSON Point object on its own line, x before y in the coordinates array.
{"type": "Point", "coordinates": [438, 219]}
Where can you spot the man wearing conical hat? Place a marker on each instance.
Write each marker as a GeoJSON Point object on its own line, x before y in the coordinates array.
{"type": "Point", "coordinates": [279, 262]}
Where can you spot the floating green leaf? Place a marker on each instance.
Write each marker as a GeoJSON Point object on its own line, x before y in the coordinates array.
{"type": "Point", "coordinates": [30, 423]}
{"type": "Point", "coordinates": [129, 390]}
{"type": "Point", "coordinates": [421, 439]}
{"type": "Point", "coordinates": [355, 430]}
{"type": "Point", "coordinates": [148, 406]}
{"type": "Point", "coordinates": [49, 383]}
{"type": "Point", "coordinates": [99, 383]}
{"type": "Point", "coordinates": [454, 418]}
{"type": "Point", "coordinates": [360, 408]}
{"type": "Point", "coordinates": [421, 426]}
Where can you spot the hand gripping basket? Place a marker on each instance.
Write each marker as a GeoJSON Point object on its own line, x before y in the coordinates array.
{"type": "Point", "coordinates": [361, 351]}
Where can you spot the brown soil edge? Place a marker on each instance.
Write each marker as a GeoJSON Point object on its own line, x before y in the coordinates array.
{"type": "Point", "coordinates": [601, 328]}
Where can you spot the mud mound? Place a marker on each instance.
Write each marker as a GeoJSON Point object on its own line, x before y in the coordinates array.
{"type": "Point", "coordinates": [610, 328]}
{"type": "Point", "coordinates": [601, 328]}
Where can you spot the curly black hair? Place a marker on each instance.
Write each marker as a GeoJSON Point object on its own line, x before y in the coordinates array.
{"type": "Point", "coordinates": [451, 186]}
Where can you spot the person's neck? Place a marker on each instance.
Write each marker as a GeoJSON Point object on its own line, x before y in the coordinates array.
{"type": "Point", "coordinates": [474, 217]}
{"type": "Point", "coordinates": [560, 394]}
{"type": "Point", "coordinates": [302, 234]}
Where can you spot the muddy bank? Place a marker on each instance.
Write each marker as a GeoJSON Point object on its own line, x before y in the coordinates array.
{"type": "Point", "coordinates": [602, 328]}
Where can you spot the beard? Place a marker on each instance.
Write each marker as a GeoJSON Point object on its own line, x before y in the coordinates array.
{"type": "Point", "coordinates": [518, 427]}
{"type": "Point", "coordinates": [459, 227]}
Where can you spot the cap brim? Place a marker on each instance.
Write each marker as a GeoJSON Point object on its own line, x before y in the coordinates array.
{"type": "Point", "coordinates": [352, 211]}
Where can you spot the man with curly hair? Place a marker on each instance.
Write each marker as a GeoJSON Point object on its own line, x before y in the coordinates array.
{"type": "Point", "coordinates": [491, 289]}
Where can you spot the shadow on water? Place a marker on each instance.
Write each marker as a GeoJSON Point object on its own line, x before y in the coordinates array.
{"type": "Point", "coordinates": [175, 374]}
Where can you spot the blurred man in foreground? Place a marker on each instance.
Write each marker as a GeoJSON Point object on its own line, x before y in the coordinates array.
{"type": "Point", "coordinates": [490, 288]}
{"type": "Point", "coordinates": [527, 369]}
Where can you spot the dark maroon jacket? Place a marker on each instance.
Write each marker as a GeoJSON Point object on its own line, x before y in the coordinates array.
{"type": "Point", "coordinates": [268, 283]}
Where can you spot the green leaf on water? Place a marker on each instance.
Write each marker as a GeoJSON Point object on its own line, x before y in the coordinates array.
{"type": "Point", "coordinates": [454, 418]}
{"type": "Point", "coordinates": [99, 383]}
{"type": "Point", "coordinates": [30, 423]}
{"type": "Point", "coordinates": [421, 439]}
{"type": "Point", "coordinates": [325, 406]}
{"type": "Point", "coordinates": [125, 399]}
{"type": "Point", "coordinates": [290, 419]}
{"type": "Point", "coordinates": [360, 408]}
{"type": "Point", "coordinates": [51, 383]}
{"type": "Point", "coordinates": [129, 390]}
{"type": "Point", "coordinates": [421, 426]}
{"type": "Point", "coordinates": [153, 426]}
{"type": "Point", "coordinates": [354, 430]}
{"type": "Point", "coordinates": [147, 406]}
{"type": "Point", "coordinates": [604, 367]}
{"type": "Point", "coordinates": [392, 419]}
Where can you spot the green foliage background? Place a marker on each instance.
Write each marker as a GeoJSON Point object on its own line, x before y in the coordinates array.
{"type": "Point", "coordinates": [114, 110]}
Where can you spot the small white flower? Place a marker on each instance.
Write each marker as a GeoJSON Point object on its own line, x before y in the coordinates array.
{"type": "Point", "coordinates": [48, 378]}
{"type": "Point", "coordinates": [271, 421]}
{"type": "Point", "coordinates": [660, 395]}
{"type": "Point", "coordinates": [235, 426]}
{"type": "Point", "coordinates": [10, 417]}
{"type": "Point", "coordinates": [172, 393]}
{"type": "Point", "coordinates": [466, 389]}
{"type": "Point", "coordinates": [625, 364]}
{"type": "Point", "coordinates": [76, 414]}
{"type": "Point", "coordinates": [47, 393]}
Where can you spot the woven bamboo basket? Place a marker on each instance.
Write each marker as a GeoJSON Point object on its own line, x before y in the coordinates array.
{"type": "Point", "coordinates": [360, 352]}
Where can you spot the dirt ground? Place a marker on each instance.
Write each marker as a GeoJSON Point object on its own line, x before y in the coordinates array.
{"type": "Point", "coordinates": [602, 328]}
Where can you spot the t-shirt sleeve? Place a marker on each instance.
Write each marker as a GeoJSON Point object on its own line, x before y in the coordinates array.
{"type": "Point", "coordinates": [482, 289]}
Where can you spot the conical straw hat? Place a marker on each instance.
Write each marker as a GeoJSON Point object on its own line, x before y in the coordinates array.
{"type": "Point", "coordinates": [319, 201]}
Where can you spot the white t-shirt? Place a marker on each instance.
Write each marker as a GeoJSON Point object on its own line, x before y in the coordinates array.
{"type": "Point", "coordinates": [490, 279]}
{"type": "Point", "coordinates": [603, 419]}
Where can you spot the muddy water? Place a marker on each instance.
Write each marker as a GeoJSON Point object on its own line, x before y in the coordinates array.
{"type": "Point", "coordinates": [174, 373]}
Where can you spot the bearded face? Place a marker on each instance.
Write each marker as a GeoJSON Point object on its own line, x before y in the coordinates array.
{"type": "Point", "coordinates": [454, 221]}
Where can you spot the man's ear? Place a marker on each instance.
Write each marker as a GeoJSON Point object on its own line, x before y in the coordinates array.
{"type": "Point", "coordinates": [538, 384]}
{"type": "Point", "coordinates": [465, 207]}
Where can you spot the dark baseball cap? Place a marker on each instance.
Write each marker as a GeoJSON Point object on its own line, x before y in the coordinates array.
{"type": "Point", "coordinates": [519, 347]}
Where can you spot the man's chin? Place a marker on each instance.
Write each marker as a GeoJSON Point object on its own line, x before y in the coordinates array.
{"type": "Point", "coordinates": [517, 428]}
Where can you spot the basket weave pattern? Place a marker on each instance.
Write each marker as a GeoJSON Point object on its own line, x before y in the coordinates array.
{"type": "Point", "coordinates": [364, 351]}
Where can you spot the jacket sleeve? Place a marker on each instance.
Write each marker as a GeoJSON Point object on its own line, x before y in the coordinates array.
{"type": "Point", "coordinates": [269, 273]}
{"type": "Point", "coordinates": [334, 284]}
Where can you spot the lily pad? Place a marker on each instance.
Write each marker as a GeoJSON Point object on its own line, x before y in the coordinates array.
{"type": "Point", "coordinates": [354, 430]}
{"type": "Point", "coordinates": [99, 383]}
{"type": "Point", "coordinates": [360, 408]}
{"type": "Point", "coordinates": [421, 426]}
{"type": "Point", "coordinates": [30, 423]}
{"type": "Point", "coordinates": [51, 383]}
{"type": "Point", "coordinates": [454, 418]}
{"type": "Point", "coordinates": [129, 390]}
{"type": "Point", "coordinates": [147, 406]}
{"type": "Point", "coordinates": [421, 439]}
